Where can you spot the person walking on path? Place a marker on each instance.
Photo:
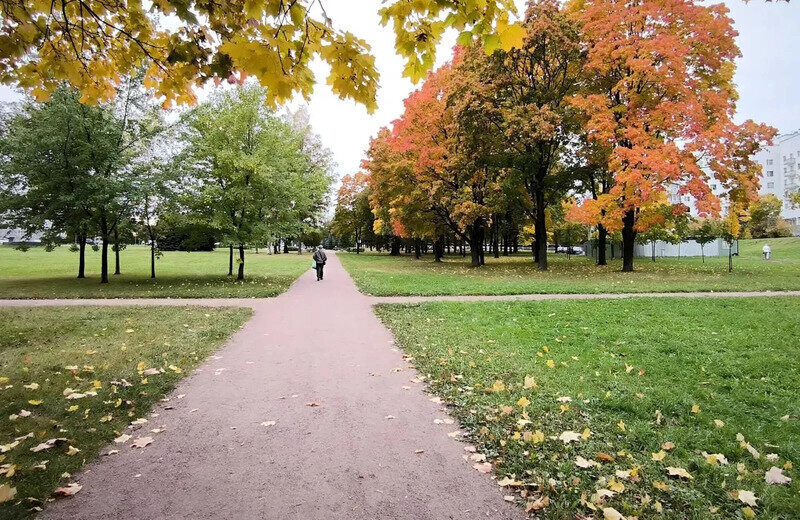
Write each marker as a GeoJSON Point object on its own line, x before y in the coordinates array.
{"type": "Point", "coordinates": [320, 258]}
{"type": "Point", "coordinates": [767, 251]}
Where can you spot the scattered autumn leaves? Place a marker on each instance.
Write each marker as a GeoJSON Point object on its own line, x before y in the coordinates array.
{"type": "Point", "coordinates": [550, 449]}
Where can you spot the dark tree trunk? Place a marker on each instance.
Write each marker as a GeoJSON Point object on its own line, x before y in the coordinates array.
{"type": "Point", "coordinates": [240, 275]}
{"type": "Point", "coordinates": [285, 246]}
{"type": "Point", "coordinates": [496, 240]}
{"type": "Point", "coordinates": [628, 239]}
{"type": "Point", "coordinates": [438, 250]}
{"type": "Point", "coordinates": [152, 258]}
{"type": "Point", "coordinates": [82, 255]}
{"type": "Point", "coordinates": [541, 232]}
{"type": "Point", "coordinates": [653, 250]}
{"type": "Point", "coordinates": [104, 260]}
{"type": "Point", "coordinates": [395, 251]}
{"type": "Point", "coordinates": [116, 251]}
{"type": "Point", "coordinates": [602, 236]}
{"type": "Point", "coordinates": [476, 243]}
{"type": "Point", "coordinates": [417, 248]}
{"type": "Point", "coordinates": [230, 260]}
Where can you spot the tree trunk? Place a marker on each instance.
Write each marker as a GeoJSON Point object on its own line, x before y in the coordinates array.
{"type": "Point", "coordinates": [240, 276]}
{"type": "Point", "coordinates": [299, 247]}
{"type": "Point", "coordinates": [438, 250]}
{"type": "Point", "coordinates": [230, 260]}
{"type": "Point", "coordinates": [541, 232]}
{"type": "Point", "coordinates": [730, 257]}
{"type": "Point", "coordinates": [628, 238]}
{"type": "Point", "coordinates": [476, 243]}
{"type": "Point", "coordinates": [496, 240]}
{"type": "Point", "coordinates": [417, 248]}
{"type": "Point", "coordinates": [116, 251]}
{"type": "Point", "coordinates": [395, 246]}
{"type": "Point", "coordinates": [104, 260]}
{"type": "Point", "coordinates": [285, 246]}
{"type": "Point", "coordinates": [653, 242]}
{"type": "Point", "coordinates": [82, 255]}
{"type": "Point", "coordinates": [703, 253]}
{"type": "Point", "coordinates": [602, 235]}
{"type": "Point", "coordinates": [152, 258]}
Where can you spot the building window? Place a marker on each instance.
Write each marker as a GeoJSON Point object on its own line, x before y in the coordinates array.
{"type": "Point", "coordinates": [770, 173]}
{"type": "Point", "coordinates": [770, 185]}
{"type": "Point", "coordinates": [769, 162]}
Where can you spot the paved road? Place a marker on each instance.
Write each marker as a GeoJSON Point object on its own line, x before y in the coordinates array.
{"type": "Point", "coordinates": [340, 459]}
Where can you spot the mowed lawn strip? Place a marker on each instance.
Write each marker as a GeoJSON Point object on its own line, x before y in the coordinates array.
{"type": "Point", "coordinates": [37, 273]}
{"type": "Point", "coordinates": [384, 275]}
{"type": "Point", "coordinates": [54, 360]}
{"type": "Point", "coordinates": [715, 378]}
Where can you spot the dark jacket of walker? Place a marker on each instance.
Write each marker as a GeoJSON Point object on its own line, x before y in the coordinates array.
{"type": "Point", "coordinates": [320, 257]}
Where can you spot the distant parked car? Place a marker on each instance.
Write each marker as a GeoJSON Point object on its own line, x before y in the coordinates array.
{"type": "Point", "coordinates": [572, 250]}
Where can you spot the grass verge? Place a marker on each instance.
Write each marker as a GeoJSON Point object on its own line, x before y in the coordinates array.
{"type": "Point", "coordinates": [586, 405]}
{"type": "Point", "coordinates": [82, 374]}
{"type": "Point", "coordinates": [37, 273]}
{"type": "Point", "coordinates": [383, 275]}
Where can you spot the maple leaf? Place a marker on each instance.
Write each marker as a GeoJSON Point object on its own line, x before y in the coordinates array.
{"type": "Point", "coordinates": [609, 513]}
{"type": "Point", "coordinates": [7, 493]}
{"type": "Point", "coordinates": [584, 463]}
{"type": "Point", "coordinates": [538, 504]}
{"type": "Point", "coordinates": [48, 444]}
{"type": "Point", "coordinates": [483, 467]}
{"type": "Point", "coordinates": [507, 481]}
{"type": "Point", "coordinates": [68, 490]}
{"type": "Point", "coordinates": [530, 382]}
{"type": "Point", "coordinates": [775, 476]}
{"type": "Point", "coordinates": [744, 496]}
{"type": "Point", "coordinates": [673, 471]}
{"type": "Point", "coordinates": [569, 436]}
{"type": "Point", "coordinates": [141, 442]}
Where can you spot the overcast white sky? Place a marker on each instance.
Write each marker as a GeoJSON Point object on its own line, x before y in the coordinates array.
{"type": "Point", "coordinates": [768, 74]}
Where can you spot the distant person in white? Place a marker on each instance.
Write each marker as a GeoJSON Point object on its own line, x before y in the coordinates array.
{"type": "Point", "coordinates": [767, 251]}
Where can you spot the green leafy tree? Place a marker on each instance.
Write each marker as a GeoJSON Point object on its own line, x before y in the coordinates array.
{"type": "Point", "coordinates": [67, 165]}
{"type": "Point", "coordinates": [765, 219]}
{"type": "Point", "coordinates": [253, 178]}
{"type": "Point", "coordinates": [704, 231]}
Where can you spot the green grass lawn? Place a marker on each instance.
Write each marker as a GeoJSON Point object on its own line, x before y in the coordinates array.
{"type": "Point", "coordinates": [41, 274]}
{"type": "Point", "coordinates": [44, 352]}
{"type": "Point", "coordinates": [383, 275]}
{"type": "Point", "coordinates": [626, 377]}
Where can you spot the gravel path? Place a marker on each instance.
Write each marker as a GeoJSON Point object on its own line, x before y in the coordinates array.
{"type": "Point", "coordinates": [378, 300]}
{"type": "Point", "coordinates": [375, 300]}
{"type": "Point", "coordinates": [342, 458]}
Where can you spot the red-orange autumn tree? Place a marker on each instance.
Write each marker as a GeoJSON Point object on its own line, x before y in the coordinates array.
{"type": "Point", "coordinates": [431, 171]}
{"type": "Point", "coordinates": [661, 99]}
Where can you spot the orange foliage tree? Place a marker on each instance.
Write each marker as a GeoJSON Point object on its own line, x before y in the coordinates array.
{"type": "Point", "coordinates": [659, 95]}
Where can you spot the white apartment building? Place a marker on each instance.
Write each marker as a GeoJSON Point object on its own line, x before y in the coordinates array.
{"type": "Point", "coordinates": [780, 170]}
{"type": "Point", "coordinates": [780, 176]}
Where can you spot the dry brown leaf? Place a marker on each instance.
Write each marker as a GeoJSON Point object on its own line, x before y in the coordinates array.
{"type": "Point", "coordinates": [746, 497]}
{"type": "Point", "coordinates": [141, 442]}
{"type": "Point", "coordinates": [68, 490]}
{"type": "Point", "coordinates": [678, 472]}
{"type": "Point", "coordinates": [536, 505]}
{"type": "Point", "coordinates": [609, 513]}
{"type": "Point", "coordinates": [50, 443]}
{"type": "Point", "coordinates": [483, 467]}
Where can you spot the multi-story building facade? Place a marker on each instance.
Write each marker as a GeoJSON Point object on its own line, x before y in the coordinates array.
{"type": "Point", "coordinates": [780, 170]}
{"type": "Point", "coordinates": [780, 165]}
